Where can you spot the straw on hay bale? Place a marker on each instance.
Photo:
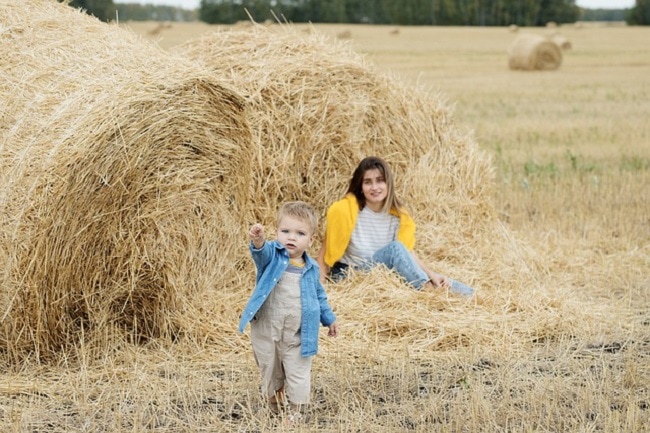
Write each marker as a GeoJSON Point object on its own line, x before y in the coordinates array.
{"type": "Point", "coordinates": [534, 52]}
{"type": "Point", "coordinates": [123, 180]}
{"type": "Point", "coordinates": [378, 308]}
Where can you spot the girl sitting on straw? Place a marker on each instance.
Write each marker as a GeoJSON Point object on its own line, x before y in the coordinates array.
{"type": "Point", "coordinates": [286, 308]}
{"type": "Point", "coordinates": [369, 226]}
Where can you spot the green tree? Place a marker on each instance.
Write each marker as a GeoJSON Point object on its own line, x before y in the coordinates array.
{"type": "Point", "coordinates": [559, 11]}
{"type": "Point", "coordinates": [231, 11]}
{"type": "Point", "coordinates": [214, 11]}
{"type": "Point", "coordinates": [102, 9]}
{"type": "Point", "coordinates": [640, 14]}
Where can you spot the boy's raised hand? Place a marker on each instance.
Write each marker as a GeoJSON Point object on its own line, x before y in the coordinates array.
{"type": "Point", "coordinates": [256, 234]}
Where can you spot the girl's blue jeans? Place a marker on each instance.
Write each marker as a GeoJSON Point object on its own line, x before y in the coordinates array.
{"type": "Point", "coordinates": [395, 256]}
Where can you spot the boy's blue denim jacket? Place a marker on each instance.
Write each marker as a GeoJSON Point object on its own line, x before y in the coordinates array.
{"type": "Point", "coordinates": [271, 261]}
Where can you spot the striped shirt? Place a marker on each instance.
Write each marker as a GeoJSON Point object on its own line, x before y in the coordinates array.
{"type": "Point", "coordinates": [373, 231]}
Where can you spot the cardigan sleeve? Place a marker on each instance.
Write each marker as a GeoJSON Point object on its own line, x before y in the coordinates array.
{"type": "Point", "coordinates": [406, 232]}
{"type": "Point", "coordinates": [341, 218]}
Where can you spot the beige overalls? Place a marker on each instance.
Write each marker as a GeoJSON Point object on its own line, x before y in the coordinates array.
{"type": "Point", "coordinates": [275, 336]}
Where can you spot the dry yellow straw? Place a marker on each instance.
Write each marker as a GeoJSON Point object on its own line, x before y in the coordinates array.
{"type": "Point", "coordinates": [123, 180]}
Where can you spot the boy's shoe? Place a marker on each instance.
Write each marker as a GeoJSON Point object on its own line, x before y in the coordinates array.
{"type": "Point", "coordinates": [297, 413]}
{"type": "Point", "coordinates": [276, 407]}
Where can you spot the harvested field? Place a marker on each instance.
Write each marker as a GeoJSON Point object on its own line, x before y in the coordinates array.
{"type": "Point", "coordinates": [534, 193]}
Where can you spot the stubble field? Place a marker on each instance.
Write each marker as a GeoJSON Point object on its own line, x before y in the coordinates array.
{"type": "Point", "coordinates": [571, 155]}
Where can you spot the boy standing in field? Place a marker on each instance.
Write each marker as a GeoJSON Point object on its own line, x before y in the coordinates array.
{"type": "Point", "coordinates": [286, 309]}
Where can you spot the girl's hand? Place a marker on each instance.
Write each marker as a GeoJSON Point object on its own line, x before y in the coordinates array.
{"type": "Point", "coordinates": [440, 281]}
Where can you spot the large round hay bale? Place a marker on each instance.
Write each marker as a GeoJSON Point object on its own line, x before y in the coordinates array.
{"type": "Point", "coordinates": [123, 180]}
{"type": "Point", "coordinates": [317, 108]}
{"type": "Point", "coordinates": [530, 52]}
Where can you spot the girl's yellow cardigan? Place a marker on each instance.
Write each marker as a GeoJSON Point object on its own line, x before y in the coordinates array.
{"type": "Point", "coordinates": [341, 218]}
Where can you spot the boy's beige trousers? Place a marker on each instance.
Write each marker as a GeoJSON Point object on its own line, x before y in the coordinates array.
{"type": "Point", "coordinates": [275, 336]}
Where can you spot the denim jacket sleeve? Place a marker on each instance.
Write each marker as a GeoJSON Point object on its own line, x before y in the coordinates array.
{"type": "Point", "coordinates": [327, 316]}
{"type": "Point", "coordinates": [261, 257]}
{"type": "Point", "coordinates": [270, 261]}
{"type": "Point", "coordinates": [315, 309]}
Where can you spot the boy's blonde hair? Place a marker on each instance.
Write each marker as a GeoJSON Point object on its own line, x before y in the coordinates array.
{"type": "Point", "coordinates": [299, 210]}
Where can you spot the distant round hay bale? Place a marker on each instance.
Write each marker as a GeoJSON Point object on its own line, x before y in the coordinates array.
{"type": "Point", "coordinates": [514, 28]}
{"type": "Point", "coordinates": [123, 176]}
{"type": "Point", "coordinates": [530, 52]}
{"type": "Point", "coordinates": [345, 34]}
{"type": "Point", "coordinates": [244, 23]}
{"type": "Point", "coordinates": [155, 31]}
{"type": "Point", "coordinates": [561, 41]}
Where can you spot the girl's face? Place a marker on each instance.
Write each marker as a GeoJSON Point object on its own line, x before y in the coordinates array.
{"type": "Point", "coordinates": [295, 235]}
{"type": "Point", "coordinates": [375, 189]}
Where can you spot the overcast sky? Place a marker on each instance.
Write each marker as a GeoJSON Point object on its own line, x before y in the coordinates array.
{"type": "Point", "coordinates": [593, 4]}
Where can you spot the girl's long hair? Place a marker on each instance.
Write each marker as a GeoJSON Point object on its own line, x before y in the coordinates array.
{"type": "Point", "coordinates": [356, 183]}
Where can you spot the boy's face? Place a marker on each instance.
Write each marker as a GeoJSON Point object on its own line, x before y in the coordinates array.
{"type": "Point", "coordinates": [295, 235]}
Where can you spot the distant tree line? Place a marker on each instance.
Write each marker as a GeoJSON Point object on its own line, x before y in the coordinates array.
{"type": "Point", "coordinates": [106, 10]}
{"type": "Point", "coordinates": [398, 12]}
{"type": "Point", "coordinates": [603, 14]}
{"type": "Point", "coordinates": [138, 12]}
{"type": "Point", "coordinates": [637, 15]}
{"type": "Point", "coordinates": [102, 9]}
{"type": "Point", "coordinates": [402, 12]}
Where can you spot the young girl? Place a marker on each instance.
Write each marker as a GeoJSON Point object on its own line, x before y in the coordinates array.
{"type": "Point", "coordinates": [370, 226]}
{"type": "Point", "coordinates": [286, 308]}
